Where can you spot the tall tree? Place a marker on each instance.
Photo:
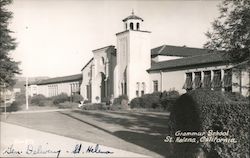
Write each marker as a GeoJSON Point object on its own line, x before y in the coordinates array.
{"type": "Point", "coordinates": [231, 31]}
{"type": "Point", "coordinates": [8, 67]}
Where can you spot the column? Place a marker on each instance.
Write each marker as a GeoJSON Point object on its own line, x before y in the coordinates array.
{"type": "Point", "coordinates": [222, 77]}
{"type": "Point", "coordinates": [212, 78]}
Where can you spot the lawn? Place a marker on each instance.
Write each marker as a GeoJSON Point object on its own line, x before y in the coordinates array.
{"type": "Point", "coordinates": [139, 132]}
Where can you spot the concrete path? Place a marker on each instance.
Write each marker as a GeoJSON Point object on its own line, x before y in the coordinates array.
{"type": "Point", "coordinates": [17, 141]}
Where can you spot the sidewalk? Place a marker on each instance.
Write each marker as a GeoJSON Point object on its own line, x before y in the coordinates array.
{"type": "Point", "coordinates": [17, 141]}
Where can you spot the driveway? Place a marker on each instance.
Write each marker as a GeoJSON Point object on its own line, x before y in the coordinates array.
{"type": "Point", "coordinates": [141, 133]}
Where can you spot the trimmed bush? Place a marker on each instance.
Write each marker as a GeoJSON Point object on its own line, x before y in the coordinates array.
{"type": "Point", "coordinates": [77, 98]}
{"type": "Point", "coordinates": [168, 99]}
{"type": "Point", "coordinates": [204, 110]}
{"type": "Point", "coordinates": [157, 100]}
{"type": "Point", "coordinates": [20, 99]}
{"type": "Point", "coordinates": [39, 100]}
{"type": "Point", "coordinates": [63, 97]}
{"type": "Point", "coordinates": [15, 106]}
{"type": "Point", "coordinates": [121, 100]}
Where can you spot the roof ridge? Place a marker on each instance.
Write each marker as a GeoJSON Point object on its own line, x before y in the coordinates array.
{"type": "Point", "coordinates": [162, 48]}
{"type": "Point", "coordinates": [195, 56]}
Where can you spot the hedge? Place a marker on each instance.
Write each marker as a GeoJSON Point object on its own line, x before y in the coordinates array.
{"type": "Point", "coordinates": [63, 97]}
{"type": "Point", "coordinates": [203, 110]}
{"type": "Point", "coordinates": [39, 100]}
{"type": "Point", "coordinates": [156, 100]}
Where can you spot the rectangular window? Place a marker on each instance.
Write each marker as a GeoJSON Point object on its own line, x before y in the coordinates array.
{"type": "Point", "coordinates": [197, 80]}
{"type": "Point", "coordinates": [227, 80]}
{"type": "Point", "coordinates": [142, 93]}
{"type": "Point", "coordinates": [216, 83]}
{"type": "Point", "coordinates": [207, 80]}
{"type": "Point", "coordinates": [155, 84]}
{"type": "Point", "coordinates": [137, 93]}
{"type": "Point", "coordinates": [188, 83]}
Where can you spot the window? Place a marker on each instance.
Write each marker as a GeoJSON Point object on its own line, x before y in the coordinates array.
{"type": "Point", "coordinates": [216, 83]}
{"type": "Point", "coordinates": [126, 26]}
{"type": "Point", "coordinates": [197, 79]}
{"type": "Point", "coordinates": [143, 88]}
{"type": "Point", "coordinates": [137, 89]}
{"type": "Point", "coordinates": [155, 84]}
{"type": "Point", "coordinates": [131, 26]}
{"type": "Point", "coordinates": [137, 26]}
{"type": "Point", "coordinates": [188, 82]}
{"type": "Point", "coordinates": [227, 80]}
{"type": "Point", "coordinates": [207, 80]}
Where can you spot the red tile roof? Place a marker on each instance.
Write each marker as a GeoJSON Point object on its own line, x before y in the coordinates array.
{"type": "Point", "coordinates": [189, 61]}
{"type": "Point", "coordinates": [77, 77]}
{"type": "Point", "coordinates": [178, 51]}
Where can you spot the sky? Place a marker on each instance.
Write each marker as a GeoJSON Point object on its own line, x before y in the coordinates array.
{"type": "Point", "coordinates": [56, 37]}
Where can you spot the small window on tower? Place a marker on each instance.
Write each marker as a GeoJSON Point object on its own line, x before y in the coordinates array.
{"type": "Point", "coordinates": [131, 26]}
{"type": "Point", "coordinates": [137, 26]}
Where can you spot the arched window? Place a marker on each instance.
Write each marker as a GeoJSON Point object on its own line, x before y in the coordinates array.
{"type": "Point", "coordinates": [131, 26]}
{"type": "Point", "coordinates": [137, 26]}
{"type": "Point", "coordinates": [103, 60]}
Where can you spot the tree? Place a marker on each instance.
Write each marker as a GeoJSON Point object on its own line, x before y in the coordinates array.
{"type": "Point", "coordinates": [8, 67]}
{"type": "Point", "coordinates": [231, 31]}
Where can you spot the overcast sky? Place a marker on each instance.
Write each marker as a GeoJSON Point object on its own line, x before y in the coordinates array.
{"type": "Point", "coordinates": [56, 37]}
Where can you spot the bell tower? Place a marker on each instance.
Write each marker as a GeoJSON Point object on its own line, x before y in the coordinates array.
{"type": "Point", "coordinates": [133, 59]}
{"type": "Point", "coordinates": [132, 22]}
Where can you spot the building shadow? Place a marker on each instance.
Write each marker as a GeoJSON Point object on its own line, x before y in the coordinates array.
{"type": "Point", "coordinates": [145, 130]}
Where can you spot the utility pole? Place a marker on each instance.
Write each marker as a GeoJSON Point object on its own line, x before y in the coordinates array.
{"type": "Point", "coordinates": [27, 94]}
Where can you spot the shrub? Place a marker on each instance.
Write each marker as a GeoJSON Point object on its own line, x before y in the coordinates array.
{"type": "Point", "coordinates": [136, 103]}
{"type": "Point", "coordinates": [20, 99]}
{"type": "Point", "coordinates": [235, 96]}
{"type": "Point", "coordinates": [203, 110]}
{"type": "Point", "coordinates": [77, 98]}
{"type": "Point", "coordinates": [118, 101]}
{"type": "Point", "coordinates": [39, 100]}
{"type": "Point", "coordinates": [63, 97]}
{"type": "Point", "coordinates": [168, 99]}
{"type": "Point", "coordinates": [15, 106]}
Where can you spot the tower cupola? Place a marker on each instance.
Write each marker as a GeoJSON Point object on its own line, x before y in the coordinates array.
{"type": "Point", "coordinates": [132, 22]}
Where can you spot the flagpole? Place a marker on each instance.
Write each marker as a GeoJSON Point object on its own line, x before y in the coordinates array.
{"type": "Point", "coordinates": [27, 94]}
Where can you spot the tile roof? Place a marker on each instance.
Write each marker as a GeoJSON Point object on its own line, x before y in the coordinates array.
{"type": "Point", "coordinates": [178, 51]}
{"type": "Point", "coordinates": [132, 16]}
{"type": "Point", "coordinates": [189, 61]}
{"type": "Point", "coordinates": [76, 77]}
{"type": "Point", "coordinates": [87, 63]}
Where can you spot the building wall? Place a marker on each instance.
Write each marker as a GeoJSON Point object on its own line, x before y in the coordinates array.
{"type": "Point", "coordinates": [133, 59]}
{"type": "Point", "coordinates": [86, 81]}
{"type": "Point", "coordinates": [169, 80]}
{"type": "Point", "coordinates": [50, 90]}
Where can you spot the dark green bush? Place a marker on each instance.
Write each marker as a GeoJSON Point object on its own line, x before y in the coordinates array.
{"type": "Point", "coordinates": [15, 106]}
{"type": "Point", "coordinates": [20, 98]}
{"type": "Point", "coordinates": [136, 103]}
{"type": "Point", "coordinates": [235, 96]}
{"type": "Point", "coordinates": [156, 100]}
{"type": "Point", "coordinates": [168, 99]}
{"type": "Point", "coordinates": [39, 100]}
{"type": "Point", "coordinates": [77, 98]}
{"type": "Point", "coordinates": [63, 97]}
{"type": "Point", "coordinates": [118, 101]}
{"type": "Point", "coordinates": [203, 110]}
